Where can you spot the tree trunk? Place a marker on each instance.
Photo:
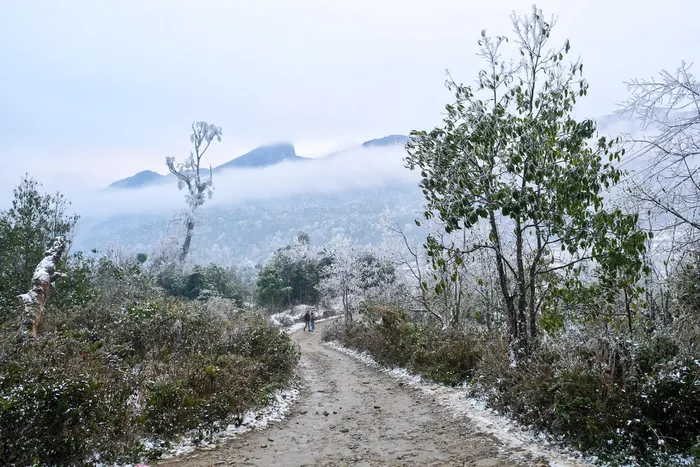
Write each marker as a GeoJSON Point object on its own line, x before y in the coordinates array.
{"type": "Point", "coordinates": [454, 322]}
{"type": "Point", "coordinates": [346, 304]}
{"type": "Point", "coordinates": [533, 288]}
{"type": "Point", "coordinates": [188, 238]}
{"type": "Point", "coordinates": [33, 302]}
{"type": "Point", "coordinates": [522, 290]}
{"type": "Point", "coordinates": [503, 281]}
{"type": "Point", "coordinates": [628, 310]}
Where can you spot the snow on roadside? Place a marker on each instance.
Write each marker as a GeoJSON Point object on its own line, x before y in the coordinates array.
{"type": "Point", "coordinates": [292, 320]}
{"type": "Point", "coordinates": [299, 326]}
{"type": "Point", "coordinates": [508, 432]}
{"type": "Point", "coordinates": [296, 313]}
{"type": "Point", "coordinates": [282, 401]}
{"type": "Point", "coordinates": [252, 420]}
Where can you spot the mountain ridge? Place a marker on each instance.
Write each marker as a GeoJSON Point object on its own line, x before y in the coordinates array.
{"type": "Point", "coordinates": [262, 156]}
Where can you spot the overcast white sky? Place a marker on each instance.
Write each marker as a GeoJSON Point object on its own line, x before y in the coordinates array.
{"type": "Point", "coordinates": [96, 90]}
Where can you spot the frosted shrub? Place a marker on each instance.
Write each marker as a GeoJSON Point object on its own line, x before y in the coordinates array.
{"type": "Point", "coordinates": [151, 370]}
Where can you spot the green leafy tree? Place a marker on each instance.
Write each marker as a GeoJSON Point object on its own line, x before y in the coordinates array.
{"type": "Point", "coordinates": [201, 282]}
{"type": "Point", "coordinates": [511, 160]}
{"type": "Point", "coordinates": [27, 229]}
{"type": "Point", "coordinates": [291, 276]}
{"type": "Point", "coordinates": [270, 288]}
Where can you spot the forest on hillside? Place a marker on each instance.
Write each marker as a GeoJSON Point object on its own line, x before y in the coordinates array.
{"type": "Point", "coordinates": [572, 312]}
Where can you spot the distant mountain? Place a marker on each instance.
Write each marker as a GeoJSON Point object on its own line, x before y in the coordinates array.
{"type": "Point", "coordinates": [262, 157]}
{"type": "Point", "coordinates": [258, 157]}
{"type": "Point", "coordinates": [385, 142]}
{"type": "Point", "coordinates": [141, 179]}
{"type": "Point", "coordinates": [390, 140]}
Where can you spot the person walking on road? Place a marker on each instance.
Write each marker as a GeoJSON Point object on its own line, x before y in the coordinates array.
{"type": "Point", "coordinates": [313, 322]}
{"type": "Point", "coordinates": [307, 321]}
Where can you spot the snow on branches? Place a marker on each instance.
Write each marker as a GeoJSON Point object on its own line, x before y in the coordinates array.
{"type": "Point", "coordinates": [189, 175]}
{"type": "Point", "coordinates": [352, 275]}
{"type": "Point", "coordinates": [44, 277]}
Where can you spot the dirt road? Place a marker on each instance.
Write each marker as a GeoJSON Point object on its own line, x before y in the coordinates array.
{"type": "Point", "coordinates": [351, 414]}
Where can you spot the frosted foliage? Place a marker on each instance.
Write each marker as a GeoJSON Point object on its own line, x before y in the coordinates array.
{"type": "Point", "coordinates": [189, 175]}
{"type": "Point", "coordinates": [44, 277]}
{"type": "Point", "coordinates": [341, 278]}
{"type": "Point", "coordinates": [355, 274]}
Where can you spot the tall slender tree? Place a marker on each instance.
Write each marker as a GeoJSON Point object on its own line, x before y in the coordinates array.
{"type": "Point", "coordinates": [189, 175]}
{"type": "Point", "coordinates": [510, 157]}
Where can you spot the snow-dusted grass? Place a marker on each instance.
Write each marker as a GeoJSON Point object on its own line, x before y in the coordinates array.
{"type": "Point", "coordinates": [282, 401]}
{"type": "Point", "coordinates": [514, 437]}
{"type": "Point", "coordinates": [277, 410]}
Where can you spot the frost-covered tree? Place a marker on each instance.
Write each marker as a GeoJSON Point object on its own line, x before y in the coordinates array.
{"type": "Point", "coordinates": [511, 158]}
{"type": "Point", "coordinates": [189, 175]}
{"type": "Point", "coordinates": [668, 107]}
{"type": "Point", "coordinates": [352, 275]}
{"type": "Point", "coordinates": [466, 284]}
{"type": "Point", "coordinates": [341, 275]}
{"type": "Point", "coordinates": [27, 229]}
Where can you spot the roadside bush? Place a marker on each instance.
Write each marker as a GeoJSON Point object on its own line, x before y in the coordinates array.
{"type": "Point", "coordinates": [604, 392]}
{"type": "Point", "coordinates": [99, 378]}
{"type": "Point", "coordinates": [61, 399]}
{"type": "Point", "coordinates": [445, 356]}
{"type": "Point", "coordinates": [449, 357]}
{"type": "Point", "coordinates": [612, 397]}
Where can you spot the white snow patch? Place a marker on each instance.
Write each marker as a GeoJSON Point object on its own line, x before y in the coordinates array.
{"type": "Point", "coordinates": [253, 420]}
{"type": "Point", "coordinates": [299, 326]}
{"type": "Point", "coordinates": [508, 432]}
{"type": "Point", "coordinates": [296, 313]}
{"type": "Point", "coordinates": [292, 320]}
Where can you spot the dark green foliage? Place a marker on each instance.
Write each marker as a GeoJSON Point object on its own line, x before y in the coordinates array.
{"type": "Point", "coordinates": [59, 381]}
{"type": "Point", "coordinates": [202, 283]}
{"type": "Point", "coordinates": [154, 370]}
{"type": "Point", "coordinates": [270, 289]}
{"type": "Point", "coordinates": [27, 229]}
{"type": "Point", "coordinates": [116, 362]}
{"type": "Point", "coordinates": [291, 277]}
{"type": "Point", "coordinates": [608, 397]}
{"type": "Point", "coordinates": [446, 356]}
{"type": "Point", "coordinates": [100, 278]}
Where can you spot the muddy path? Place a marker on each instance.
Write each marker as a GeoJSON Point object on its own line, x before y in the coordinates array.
{"type": "Point", "coordinates": [351, 414]}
